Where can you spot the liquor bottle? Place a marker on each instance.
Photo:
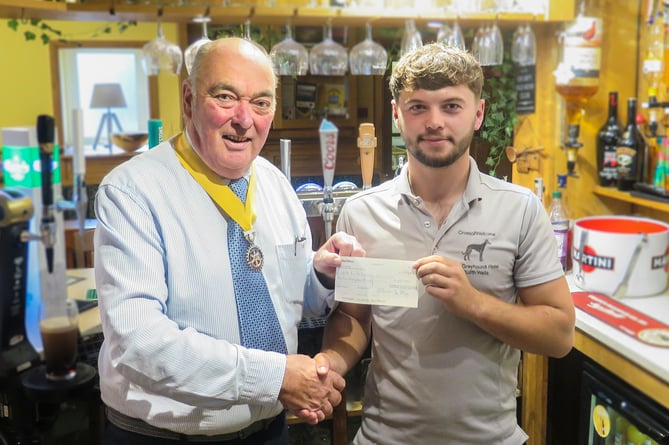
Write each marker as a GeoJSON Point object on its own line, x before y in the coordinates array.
{"type": "Point", "coordinates": [539, 188]}
{"type": "Point", "coordinates": [400, 164]}
{"type": "Point", "coordinates": [607, 140]}
{"type": "Point", "coordinates": [557, 214]}
{"type": "Point", "coordinates": [635, 437]}
{"type": "Point", "coordinates": [621, 425]}
{"type": "Point", "coordinates": [665, 17]}
{"type": "Point", "coordinates": [653, 63]}
{"type": "Point", "coordinates": [577, 75]}
{"type": "Point", "coordinates": [630, 150]}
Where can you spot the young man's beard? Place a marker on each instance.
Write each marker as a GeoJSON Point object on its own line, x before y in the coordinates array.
{"type": "Point", "coordinates": [460, 148]}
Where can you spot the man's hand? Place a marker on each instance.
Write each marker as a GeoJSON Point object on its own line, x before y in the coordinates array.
{"type": "Point", "coordinates": [446, 280]}
{"type": "Point", "coordinates": [310, 390]}
{"type": "Point", "coordinates": [328, 257]}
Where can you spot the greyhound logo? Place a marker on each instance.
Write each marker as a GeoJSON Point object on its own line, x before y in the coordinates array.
{"type": "Point", "coordinates": [480, 247]}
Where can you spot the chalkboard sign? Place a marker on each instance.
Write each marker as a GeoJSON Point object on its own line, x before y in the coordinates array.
{"type": "Point", "coordinates": [526, 89]}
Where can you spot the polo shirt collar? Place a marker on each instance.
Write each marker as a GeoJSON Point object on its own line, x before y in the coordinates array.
{"type": "Point", "coordinates": [473, 190]}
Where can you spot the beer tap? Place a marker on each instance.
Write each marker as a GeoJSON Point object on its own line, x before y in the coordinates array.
{"type": "Point", "coordinates": [16, 210]}
{"type": "Point", "coordinates": [367, 145]}
{"type": "Point", "coordinates": [46, 142]}
{"type": "Point", "coordinates": [328, 133]}
{"type": "Point", "coordinates": [48, 231]}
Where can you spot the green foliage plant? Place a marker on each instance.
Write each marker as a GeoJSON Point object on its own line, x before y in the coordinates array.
{"type": "Point", "coordinates": [34, 29]}
{"type": "Point", "coordinates": [499, 92]}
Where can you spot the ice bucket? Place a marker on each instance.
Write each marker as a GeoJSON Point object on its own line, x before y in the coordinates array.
{"type": "Point", "coordinates": [620, 256]}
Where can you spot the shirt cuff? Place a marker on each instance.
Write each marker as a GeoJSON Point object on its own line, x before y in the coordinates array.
{"type": "Point", "coordinates": [263, 374]}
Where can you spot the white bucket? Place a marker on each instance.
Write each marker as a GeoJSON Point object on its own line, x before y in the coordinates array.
{"type": "Point", "coordinates": [620, 256]}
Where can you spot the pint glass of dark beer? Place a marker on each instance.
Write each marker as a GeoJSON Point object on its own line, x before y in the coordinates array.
{"type": "Point", "coordinates": [59, 327]}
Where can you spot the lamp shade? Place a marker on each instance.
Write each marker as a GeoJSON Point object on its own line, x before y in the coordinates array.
{"type": "Point", "coordinates": [107, 95]}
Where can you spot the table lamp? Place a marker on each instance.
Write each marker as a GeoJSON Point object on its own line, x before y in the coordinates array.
{"type": "Point", "coordinates": [107, 95]}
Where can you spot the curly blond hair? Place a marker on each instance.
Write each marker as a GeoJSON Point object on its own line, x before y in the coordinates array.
{"type": "Point", "coordinates": [435, 66]}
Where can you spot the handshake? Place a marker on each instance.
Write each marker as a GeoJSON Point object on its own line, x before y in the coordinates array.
{"type": "Point", "coordinates": [310, 389]}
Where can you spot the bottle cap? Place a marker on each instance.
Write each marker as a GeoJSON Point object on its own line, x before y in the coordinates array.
{"type": "Point", "coordinates": [557, 194]}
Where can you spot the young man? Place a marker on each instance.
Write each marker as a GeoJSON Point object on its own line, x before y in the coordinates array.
{"type": "Point", "coordinates": [182, 360]}
{"type": "Point", "coordinates": [483, 249]}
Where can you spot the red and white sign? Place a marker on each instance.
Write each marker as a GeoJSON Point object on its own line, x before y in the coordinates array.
{"type": "Point", "coordinates": [623, 318]}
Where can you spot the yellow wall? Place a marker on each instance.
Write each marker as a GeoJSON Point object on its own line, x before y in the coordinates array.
{"type": "Point", "coordinates": [25, 77]}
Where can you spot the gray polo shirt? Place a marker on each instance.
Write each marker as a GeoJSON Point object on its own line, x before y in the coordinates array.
{"type": "Point", "coordinates": [436, 378]}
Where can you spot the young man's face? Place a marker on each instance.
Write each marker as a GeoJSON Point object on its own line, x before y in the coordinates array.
{"type": "Point", "coordinates": [438, 125]}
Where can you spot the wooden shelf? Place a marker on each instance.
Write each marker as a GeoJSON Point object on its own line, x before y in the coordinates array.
{"type": "Point", "coordinates": [31, 8]}
{"type": "Point", "coordinates": [102, 11]}
{"type": "Point", "coordinates": [616, 194]}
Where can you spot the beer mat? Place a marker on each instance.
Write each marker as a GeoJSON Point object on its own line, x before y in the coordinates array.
{"type": "Point", "coordinates": [633, 323]}
{"type": "Point", "coordinates": [84, 305]}
{"type": "Point", "coordinates": [70, 280]}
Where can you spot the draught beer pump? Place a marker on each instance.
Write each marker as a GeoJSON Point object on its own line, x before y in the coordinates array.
{"type": "Point", "coordinates": [328, 133]}
{"type": "Point", "coordinates": [46, 264]}
{"type": "Point", "coordinates": [46, 140]}
{"type": "Point", "coordinates": [16, 351]}
{"type": "Point", "coordinates": [367, 145]}
{"type": "Point", "coordinates": [30, 276]}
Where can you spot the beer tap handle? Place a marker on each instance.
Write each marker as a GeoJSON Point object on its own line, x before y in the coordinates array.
{"type": "Point", "coordinates": [46, 141]}
{"type": "Point", "coordinates": [328, 133]}
{"type": "Point", "coordinates": [367, 145]}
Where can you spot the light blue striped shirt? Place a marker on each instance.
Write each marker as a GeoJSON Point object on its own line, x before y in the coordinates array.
{"type": "Point", "coordinates": [171, 354]}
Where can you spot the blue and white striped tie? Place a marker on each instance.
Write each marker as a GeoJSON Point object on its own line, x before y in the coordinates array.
{"type": "Point", "coordinates": [259, 326]}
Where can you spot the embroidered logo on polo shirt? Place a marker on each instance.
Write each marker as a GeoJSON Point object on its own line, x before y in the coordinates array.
{"type": "Point", "coordinates": [476, 252]}
{"type": "Point", "coordinates": [478, 247]}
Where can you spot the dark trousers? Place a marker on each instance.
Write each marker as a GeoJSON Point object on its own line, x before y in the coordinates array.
{"type": "Point", "coordinates": [275, 434]}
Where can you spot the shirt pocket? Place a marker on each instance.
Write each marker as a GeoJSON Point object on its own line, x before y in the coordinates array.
{"type": "Point", "coordinates": [293, 268]}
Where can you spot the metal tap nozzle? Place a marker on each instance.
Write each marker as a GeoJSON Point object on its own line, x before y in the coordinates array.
{"type": "Point", "coordinates": [328, 210]}
{"type": "Point", "coordinates": [80, 198]}
{"type": "Point", "coordinates": [285, 149]}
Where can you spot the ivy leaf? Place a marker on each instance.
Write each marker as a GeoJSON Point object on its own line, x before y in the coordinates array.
{"type": "Point", "coordinates": [499, 92]}
{"type": "Point", "coordinates": [48, 31]}
{"type": "Point", "coordinates": [47, 27]}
